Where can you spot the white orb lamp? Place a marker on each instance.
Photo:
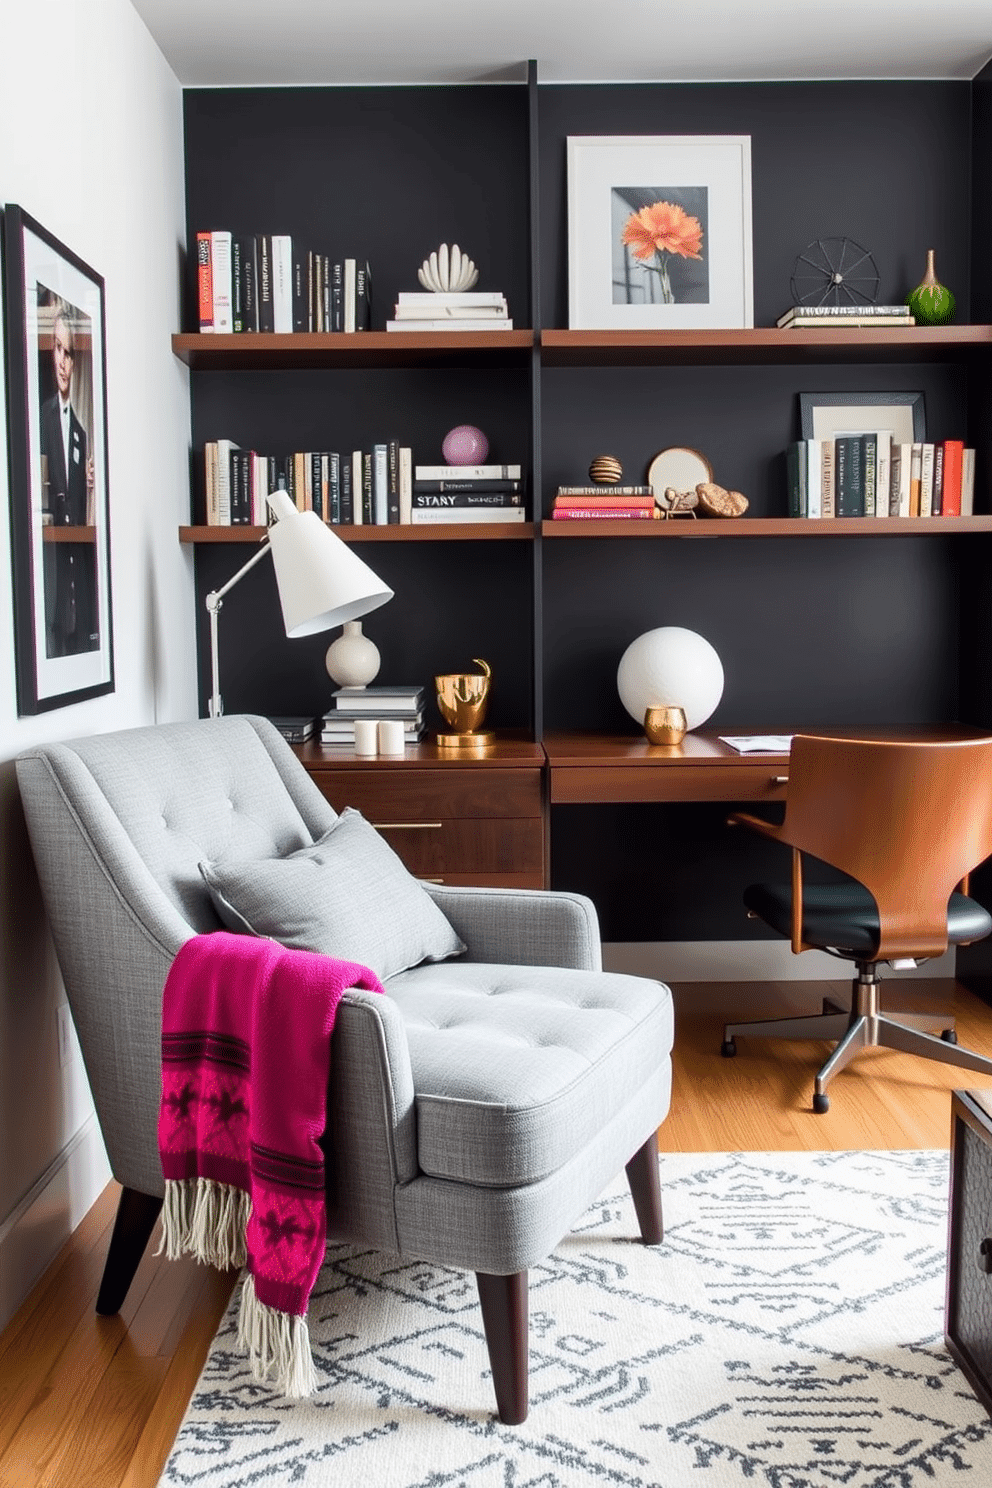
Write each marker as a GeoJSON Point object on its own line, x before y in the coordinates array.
{"type": "Point", "coordinates": [670, 668]}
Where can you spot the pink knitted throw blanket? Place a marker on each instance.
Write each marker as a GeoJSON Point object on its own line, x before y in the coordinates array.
{"type": "Point", "coordinates": [246, 1052]}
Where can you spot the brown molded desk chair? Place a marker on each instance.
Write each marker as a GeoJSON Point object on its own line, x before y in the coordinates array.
{"type": "Point", "coordinates": [908, 822]}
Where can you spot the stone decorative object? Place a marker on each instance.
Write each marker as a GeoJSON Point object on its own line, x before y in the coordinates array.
{"type": "Point", "coordinates": [352, 660]}
{"type": "Point", "coordinates": [606, 470]}
{"type": "Point", "coordinates": [448, 270]}
{"type": "Point", "coordinates": [670, 668]}
{"type": "Point", "coordinates": [931, 302]}
{"type": "Point", "coordinates": [715, 501]}
{"type": "Point", "coordinates": [465, 445]}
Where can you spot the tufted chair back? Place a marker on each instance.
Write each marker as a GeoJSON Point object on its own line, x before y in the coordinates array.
{"type": "Point", "coordinates": [119, 823]}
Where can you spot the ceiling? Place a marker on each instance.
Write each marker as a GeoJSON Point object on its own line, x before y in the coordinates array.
{"type": "Point", "coordinates": [252, 42]}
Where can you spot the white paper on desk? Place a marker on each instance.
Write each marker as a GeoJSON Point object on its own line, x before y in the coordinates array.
{"type": "Point", "coordinates": [758, 743]}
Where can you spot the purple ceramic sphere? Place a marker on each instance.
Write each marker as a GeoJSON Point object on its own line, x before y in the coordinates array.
{"type": "Point", "coordinates": [465, 445]}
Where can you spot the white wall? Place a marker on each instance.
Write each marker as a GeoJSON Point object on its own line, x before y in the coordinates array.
{"type": "Point", "coordinates": [91, 146]}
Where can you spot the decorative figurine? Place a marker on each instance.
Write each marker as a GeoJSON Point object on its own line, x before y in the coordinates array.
{"type": "Point", "coordinates": [606, 470]}
{"type": "Point", "coordinates": [465, 445]}
{"type": "Point", "coordinates": [717, 502]}
{"type": "Point", "coordinates": [931, 302]}
{"type": "Point", "coordinates": [446, 272]}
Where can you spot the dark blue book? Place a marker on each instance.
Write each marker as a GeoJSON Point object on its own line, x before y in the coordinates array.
{"type": "Point", "coordinates": [849, 490]}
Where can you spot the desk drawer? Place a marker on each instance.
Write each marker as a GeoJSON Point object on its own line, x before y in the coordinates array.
{"type": "Point", "coordinates": [426, 795]}
{"type": "Point", "coordinates": [463, 846]}
{"type": "Point", "coordinates": [585, 783]}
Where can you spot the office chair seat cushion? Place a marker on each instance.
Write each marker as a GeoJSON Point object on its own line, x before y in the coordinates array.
{"type": "Point", "coordinates": [844, 916]}
{"type": "Point", "coordinates": [346, 895]}
{"type": "Point", "coordinates": [518, 1068]}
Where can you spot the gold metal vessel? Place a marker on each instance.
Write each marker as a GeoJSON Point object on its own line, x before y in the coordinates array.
{"type": "Point", "coordinates": [462, 698]}
{"type": "Point", "coordinates": [665, 725]}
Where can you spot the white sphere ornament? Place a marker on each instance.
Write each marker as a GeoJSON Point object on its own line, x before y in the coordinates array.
{"type": "Point", "coordinates": [447, 270]}
{"type": "Point", "coordinates": [352, 660]}
{"type": "Point", "coordinates": [670, 668]}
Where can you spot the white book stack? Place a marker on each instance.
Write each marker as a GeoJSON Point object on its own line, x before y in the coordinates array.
{"type": "Point", "coordinates": [378, 703]}
{"type": "Point", "coordinates": [455, 310]}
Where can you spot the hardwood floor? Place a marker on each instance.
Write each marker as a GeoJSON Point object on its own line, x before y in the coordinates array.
{"type": "Point", "coordinates": [89, 1402]}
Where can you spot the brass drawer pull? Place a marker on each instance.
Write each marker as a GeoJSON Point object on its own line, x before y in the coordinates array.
{"type": "Point", "coordinates": [408, 826]}
{"type": "Point", "coordinates": [780, 780]}
{"type": "Point", "coordinates": [431, 880]}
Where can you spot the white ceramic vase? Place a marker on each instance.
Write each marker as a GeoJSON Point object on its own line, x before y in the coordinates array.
{"type": "Point", "coordinates": [352, 660]}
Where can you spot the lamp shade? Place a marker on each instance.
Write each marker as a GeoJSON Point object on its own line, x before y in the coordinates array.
{"type": "Point", "coordinates": [321, 582]}
{"type": "Point", "coordinates": [667, 668]}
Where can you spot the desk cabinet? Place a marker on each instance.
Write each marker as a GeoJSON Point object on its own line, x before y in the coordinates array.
{"type": "Point", "coordinates": [466, 820]}
{"type": "Point", "coordinates": [968, 1316]}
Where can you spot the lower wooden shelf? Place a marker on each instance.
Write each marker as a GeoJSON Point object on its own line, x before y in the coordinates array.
{"type": "Point", "coordinates": [706, 527]}
{"type": "Point", "coordinates": [428, 532]}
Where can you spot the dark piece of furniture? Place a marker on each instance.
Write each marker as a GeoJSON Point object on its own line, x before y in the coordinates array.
{"type": "Point", "coordinates": [454, 816]}
{"type": "Point", "coordinates": [905, 823]}
{"type": "Point", "coordinates": [968, 1311]}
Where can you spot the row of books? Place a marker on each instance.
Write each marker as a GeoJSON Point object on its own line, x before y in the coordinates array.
{"type": "Point", "coordinates": [456, 310]}
{"type": "Point", "coordinates": [266, 282]}
{"type": "Point", "coordinates": [798, 316]}
{"type": "Point", "coordinates": [870, 475]}
{"type": "Point", "coordinates": [377, 487]}
{"type": "Point", "coordinates": [351, 703]}
{"type": "Point", "coordinates": [580, 503]}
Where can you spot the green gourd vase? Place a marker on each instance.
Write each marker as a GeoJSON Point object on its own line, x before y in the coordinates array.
{"type": "Point", "coordinates": [931, 302]}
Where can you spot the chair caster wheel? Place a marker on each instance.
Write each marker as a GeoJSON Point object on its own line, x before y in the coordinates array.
{"type": "Point", "coordinates": [949, 1036]}
{"type": "Point", "coordinates": [728, 1048]}
{"type": "Point", "coordinates": [821, 1103]}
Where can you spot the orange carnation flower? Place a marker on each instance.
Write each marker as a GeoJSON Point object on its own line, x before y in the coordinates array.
{"type": "Point", "coordinates": [663, 228]}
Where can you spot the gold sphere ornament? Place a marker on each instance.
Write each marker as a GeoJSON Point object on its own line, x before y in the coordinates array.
{"type": "Point", "coordinates": [606, 470]}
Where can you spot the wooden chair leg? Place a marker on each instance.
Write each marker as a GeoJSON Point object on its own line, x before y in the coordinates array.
{"type": "Point", "coordinates": [504, 1317]}
{"type": "Point", "coordinates": [136, 1216]}
{"type": "Point", "coordinates": [645, 1188]}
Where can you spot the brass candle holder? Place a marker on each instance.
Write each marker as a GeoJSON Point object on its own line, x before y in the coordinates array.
{"type": "Point", "coordinates": [665, 725]}
{"type": "Point", "coordinates": [462, 698]}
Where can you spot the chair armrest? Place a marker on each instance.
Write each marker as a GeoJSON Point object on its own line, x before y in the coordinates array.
{"type": "Point", "coordinates": [756, 823]}
{"type": "Point", "coordinates": [523, 927]}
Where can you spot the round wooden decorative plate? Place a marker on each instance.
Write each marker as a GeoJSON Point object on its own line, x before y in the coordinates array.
{"type": "Point", "coordinates": [679, 467]}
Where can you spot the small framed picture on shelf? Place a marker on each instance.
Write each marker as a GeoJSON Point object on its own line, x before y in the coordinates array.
{"type": "Point", "coordinates": [825, 415]}
{"type": "Point", "coordinates": [57, 441]}
{"type": "Point", "coordinates": [659, 232]}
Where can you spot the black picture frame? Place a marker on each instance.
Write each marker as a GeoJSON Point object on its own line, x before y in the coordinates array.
{"type": "Point", "coordinates": [56, 364]}
{"type": "Point", "coordinates": [822, 415]}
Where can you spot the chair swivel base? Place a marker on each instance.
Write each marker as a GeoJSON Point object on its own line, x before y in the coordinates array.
{"type": "Point", "coordinates": [864, 1027]}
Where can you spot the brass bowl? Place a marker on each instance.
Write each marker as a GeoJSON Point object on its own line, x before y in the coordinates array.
{"type": "Point", "coordinates": [665, 725]}
{"type": "Point", "coordinates": [462, 698]}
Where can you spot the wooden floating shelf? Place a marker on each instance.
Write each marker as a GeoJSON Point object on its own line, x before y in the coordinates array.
{"type": "Point", "coordinates": [708, 527]}
{"type": "Point", "coordinates": [68, 534]}
{"type": "Point", "coordinates": [255, 351]}
{"type": "Point", "coordinates": [763, 346]}
{"type": "Point", "coordinates": [429, 532]}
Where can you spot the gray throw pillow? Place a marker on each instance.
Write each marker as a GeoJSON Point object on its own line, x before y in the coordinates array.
{"type": "Point", "coordinates": [348, 895]}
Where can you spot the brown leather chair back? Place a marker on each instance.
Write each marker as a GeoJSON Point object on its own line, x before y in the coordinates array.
{"type": "Point", "coordinates": [907, 820]}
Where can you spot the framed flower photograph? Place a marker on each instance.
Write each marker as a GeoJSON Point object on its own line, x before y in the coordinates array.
{"type": "Point", "coordinates": [57, 440]}
{"type": "Point", "coordinates": [659, 232]}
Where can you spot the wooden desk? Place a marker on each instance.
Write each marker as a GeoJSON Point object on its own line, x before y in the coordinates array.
{"type": "Point", "coordinates": [453, 817]}
{"type": "Point", "coordinates": [602, 767]}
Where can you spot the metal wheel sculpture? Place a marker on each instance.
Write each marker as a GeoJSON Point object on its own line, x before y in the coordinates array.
{"type": "Point", "coordinates": [834, 271]}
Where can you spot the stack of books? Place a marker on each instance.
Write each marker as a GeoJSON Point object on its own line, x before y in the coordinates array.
{"type": "Point", "coordinates": [406, 703]}
{"type": "Point", "coordinates": [296, 728]}
{"type": "Point", "coordinates": [870, 475]}
{"type": "Point", "coordinates": [350, 488]}
{"type": "Point", "coordinates": [467, 493]}
{"type": "Point", "coordinates": [457, 310]}
{"type": "Point", "coordinates": [839, 316]}
{"type": "Point", "coordinates": [578, 503]}
{"type": "Point", "coordinates": [268, 282]}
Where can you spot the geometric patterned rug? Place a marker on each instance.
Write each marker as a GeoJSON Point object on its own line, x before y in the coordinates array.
{"type": "Point", "coordinates": [787, 1334]}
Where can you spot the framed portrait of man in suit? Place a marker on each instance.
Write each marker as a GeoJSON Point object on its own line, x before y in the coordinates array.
{"type": "Point", "coordinates": [57, 443]}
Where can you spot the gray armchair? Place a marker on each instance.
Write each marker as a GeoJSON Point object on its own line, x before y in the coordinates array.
{"type": "Point", "coordinates": [474, 1112]}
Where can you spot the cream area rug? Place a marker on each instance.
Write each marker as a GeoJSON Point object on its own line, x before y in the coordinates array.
{"type": "Point", "coordinates": [787, 1334]}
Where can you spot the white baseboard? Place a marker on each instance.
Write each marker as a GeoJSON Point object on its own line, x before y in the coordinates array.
{"type": "Point", "coordinates": [742, 961]}
{"type": "Point", "coordinates": [34, 1232]}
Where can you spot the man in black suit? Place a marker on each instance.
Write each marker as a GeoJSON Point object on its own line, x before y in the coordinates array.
{"type": "Point", "coordinates": [70, 569]}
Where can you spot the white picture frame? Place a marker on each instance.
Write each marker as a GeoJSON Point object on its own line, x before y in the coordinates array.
{"type": "Point", "coordinates": [704, 281]}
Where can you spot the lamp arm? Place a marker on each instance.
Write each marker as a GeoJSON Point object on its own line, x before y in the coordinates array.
{"type": "Point", "coordinates": [214, 602]}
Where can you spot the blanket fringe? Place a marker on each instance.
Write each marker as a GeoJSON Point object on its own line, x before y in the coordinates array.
{"type": "Point", "coordinates": [278, 1344]}
{"type": "Point", "coordinates": [206, 1219]}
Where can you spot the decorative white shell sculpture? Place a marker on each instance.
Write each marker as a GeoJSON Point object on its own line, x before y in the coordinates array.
{"type": "Point", "coordinates": [447, 270]}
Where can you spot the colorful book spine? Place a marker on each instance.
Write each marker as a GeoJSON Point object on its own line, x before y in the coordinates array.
{"type": "Point", "coordinates": [204, 283]}
{"type": "Point", "coordinates": [953, 462]}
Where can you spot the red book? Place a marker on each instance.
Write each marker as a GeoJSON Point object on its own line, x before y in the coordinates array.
{"type": "Point", "coordinates": [604, 513]}
{"type": "Point", "coordinates": [953, 457]}
{"type": "Point", "coordinates": [630, 503]}
{"type": "Point", "coordinates": [205, 281]}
